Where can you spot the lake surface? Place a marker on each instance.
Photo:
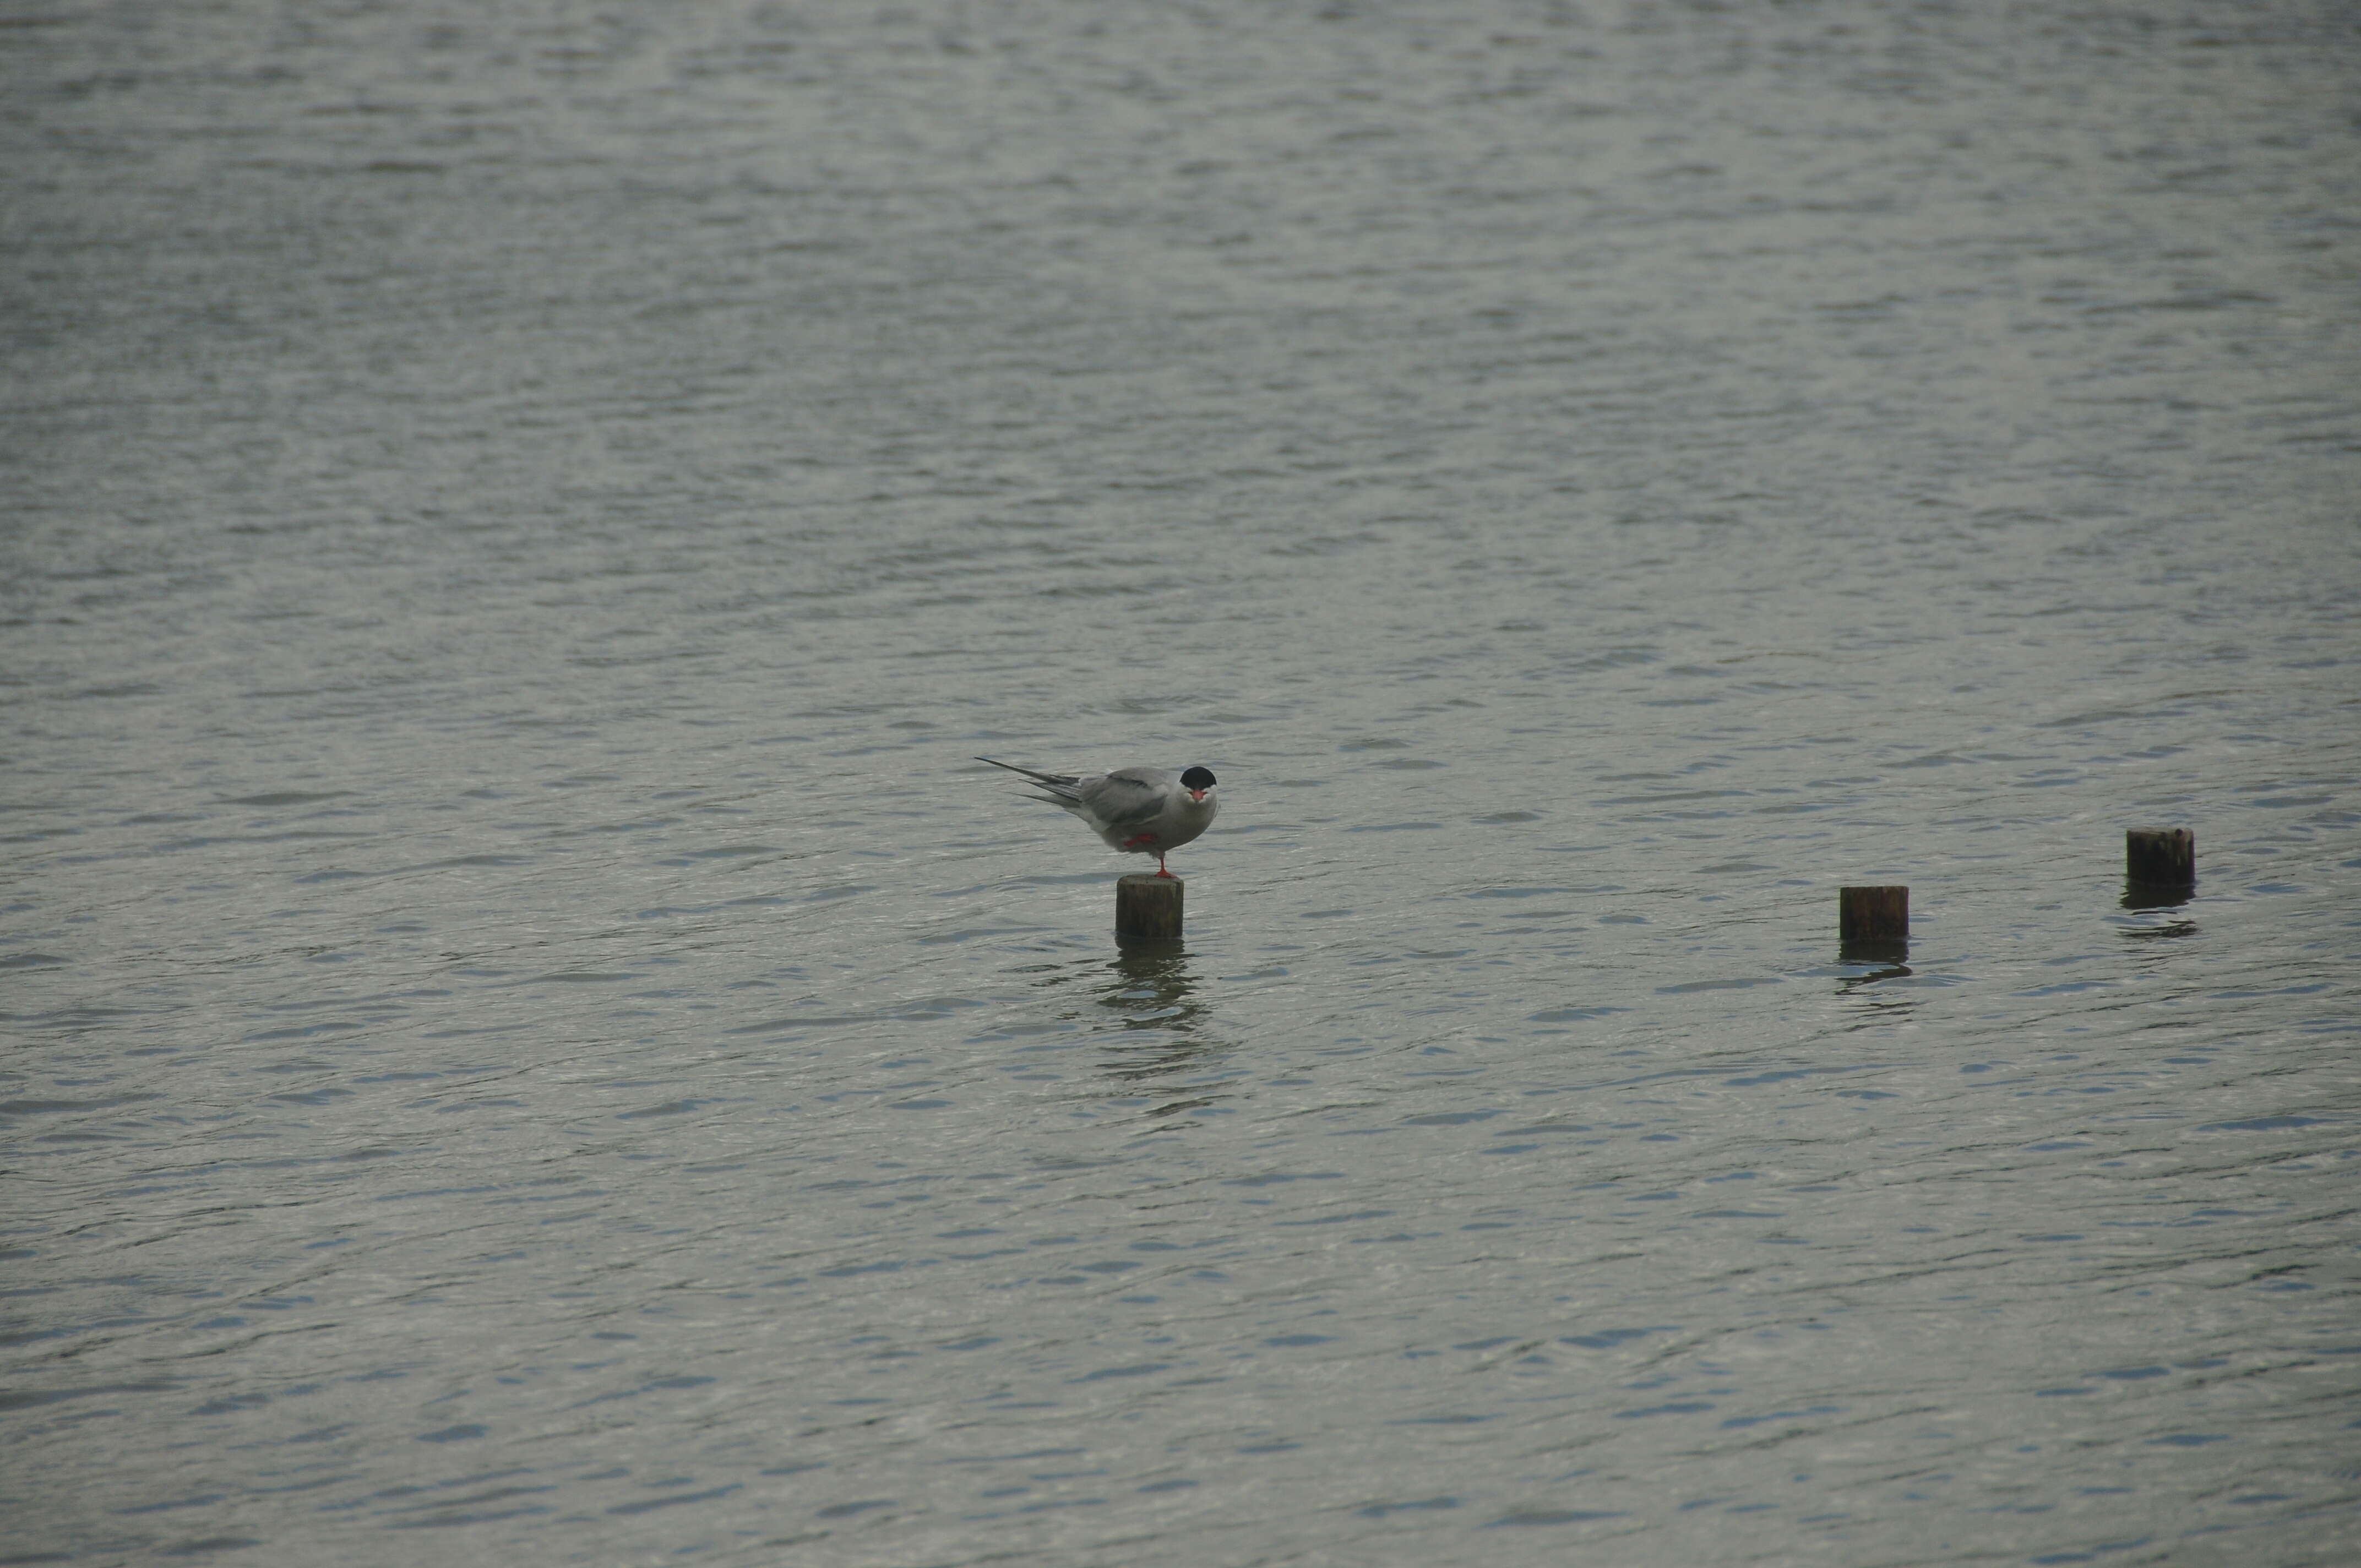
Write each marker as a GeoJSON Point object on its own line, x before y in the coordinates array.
{"type": "Point", "coordinates": [530, 1039]}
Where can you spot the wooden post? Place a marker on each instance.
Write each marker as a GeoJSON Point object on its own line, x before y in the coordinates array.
{"type": "Point", "coordinates": [2161, 857]}
{"type": "Point", "coordinates": [1147, 908]}
{"type": "Point", "coordinates": [1873, 915]}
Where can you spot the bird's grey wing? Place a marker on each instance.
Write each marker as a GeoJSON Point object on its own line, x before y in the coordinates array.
{"type": "Point", "coordinates": [1127, 794]}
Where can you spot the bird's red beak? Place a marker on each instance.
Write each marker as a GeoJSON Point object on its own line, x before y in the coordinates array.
{"type": "Point", "coordinates": [1198, 795]}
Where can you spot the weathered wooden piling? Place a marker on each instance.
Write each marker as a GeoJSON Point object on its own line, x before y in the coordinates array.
{"type": "Point", "coordinates": [1873, 915]}
{"type": "Point", "coordinates": [1147, 908]}
{"type": "Point", "coordinates": [2161, 857]}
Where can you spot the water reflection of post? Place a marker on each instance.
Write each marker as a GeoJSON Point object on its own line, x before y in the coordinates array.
{"type": "Point", "coordinates": [1873, 1007]}
{"type": "Point", "coordinates": [1153, 989]}
{"type": "Point", "coordinates": [2141, 897]}
{"type": "Point", "coordinates": [2142, 892]}
{"type": "Point", "coordinates": [2156, 896]}
{"type": "Point", "coordinates": [1887, 951]}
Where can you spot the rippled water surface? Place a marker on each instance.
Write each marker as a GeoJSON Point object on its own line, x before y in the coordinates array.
{"type": "Point", "coordinates": [529, 1039]}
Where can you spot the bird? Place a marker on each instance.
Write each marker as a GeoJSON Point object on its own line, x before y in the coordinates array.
{"type": "Point", "coordinates": [1140, 811]}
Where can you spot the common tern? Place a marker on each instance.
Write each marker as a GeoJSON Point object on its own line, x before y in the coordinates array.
{"type": "Point", "coordinates": [1141, 811]}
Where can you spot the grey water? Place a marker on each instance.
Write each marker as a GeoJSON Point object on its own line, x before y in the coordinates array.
{"type": "Point", "coordinates": [527, 1038]}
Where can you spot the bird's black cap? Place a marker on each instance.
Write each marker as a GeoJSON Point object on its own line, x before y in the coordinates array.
{"type": "Point", "coordinates": [1197, 778]}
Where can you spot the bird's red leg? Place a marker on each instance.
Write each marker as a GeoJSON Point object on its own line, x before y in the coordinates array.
{"type": "Point", "coordinates": [1140, 841]}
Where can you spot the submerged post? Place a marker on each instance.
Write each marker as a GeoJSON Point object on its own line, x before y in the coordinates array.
{"type": "Point", "coordinates": [1868, 916]}
{"type": "Point", "coordinates": [2161, 857]}
{"type": "Point", "coordinates": [1147, 908]}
